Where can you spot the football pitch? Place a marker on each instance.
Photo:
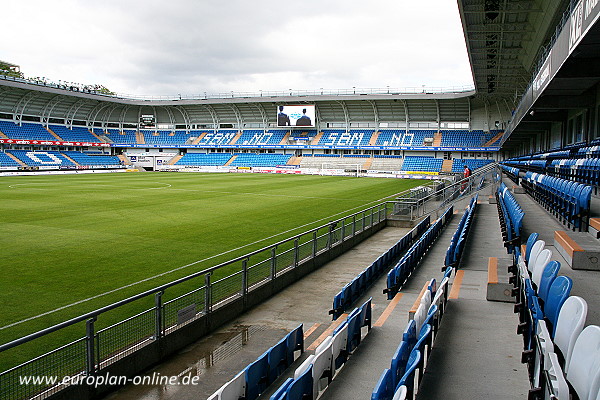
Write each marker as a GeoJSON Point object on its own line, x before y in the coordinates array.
{"type": "Point", "coordinates": [74, 243]}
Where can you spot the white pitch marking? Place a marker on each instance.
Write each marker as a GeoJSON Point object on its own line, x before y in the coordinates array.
{"type": "Point", "coordinates": [187, 265]}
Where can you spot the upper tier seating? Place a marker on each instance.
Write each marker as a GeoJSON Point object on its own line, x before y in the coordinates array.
{"type": "Point", "coordinates": [42, 158]}
{"type": "Point", "coordinates": [260, 160]}
{"type": "Point", "coordinates": [126, 137]}
{"type": "Point", "coordinates": [75, 134]}
{"type": "Point", "coordinates": [220, 137]}
{"type": "Point", "coordinates": [339, 137]}
{"type": "Point", "coordinates": [26, 131]}
{"type": "Point", "coordinates": [90, 159]}
{"type": "Point", "coordinates": [489, 136]}
{"type": "Point", "coordinates": [422, 164]}
{"type": "Point", "coordinates": [420, 135]}
{"type": "Point", "coordinates": [462, 138]}
{"type": "Point", "coordinates": [166, 137]}
{"type": "Point", "coordinates": [394, 137]}
{"type": "Point", "coordinates": [200, 159]}
{"type": "Point", "coordinates": [261, 138]}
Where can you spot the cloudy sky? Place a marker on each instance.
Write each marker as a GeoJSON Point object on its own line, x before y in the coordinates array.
{"type": "Point", "coordinates": [161, 47]}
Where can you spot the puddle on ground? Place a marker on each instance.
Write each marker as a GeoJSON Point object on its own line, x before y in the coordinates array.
{"type": "Point", "coordinates": [211, 362]}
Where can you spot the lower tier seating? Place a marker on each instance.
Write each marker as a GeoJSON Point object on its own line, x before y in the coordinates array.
{"type": "Point", "coordinates": [200, 159]}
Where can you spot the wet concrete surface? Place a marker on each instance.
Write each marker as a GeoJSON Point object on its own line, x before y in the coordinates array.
{"type": "Point", "coordinates": [220, 356]}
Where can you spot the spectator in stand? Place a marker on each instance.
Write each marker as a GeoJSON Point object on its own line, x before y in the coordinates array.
{"type": "Point", "coordinates": [466, 175]}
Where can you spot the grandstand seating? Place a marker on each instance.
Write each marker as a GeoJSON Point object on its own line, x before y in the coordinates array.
{"type": "Point", "coordinates": [201, 159]}
{"type": "Point", "coordinates": [560, 354]}
{"type": "Point", "coordinates": [261, 138]}
{"type": "Point", "coordinates": [458, 164]}
{"type": "Point", "coordinates": [459, 239]}
{"type": "Point", "coordinates": [402, 271]}
{"type": "Point", "coordinates": [393, 137]}
{"type": "Point", "coordinates": [128, 136]}
{"type": "Point", "coordinates": [420, 135]}
{"type": "Point", "coordinates": [462, 138]}
{"type": "Point", "coordinates": [350, 293]}
{"type": "Point", "coordinates": [339, 137]}
{"type": "Point", "coordinates": [422, 164]}
{"type": "Point", "coordinates": [6, 161]}
{"type": "Point", "coordinates": [409, 361]}
{"type": "Point", "coordinates": [220, 137]}
{"type": "Point", "coordinates": [26, 131]}
{"type": "Point", "coordinates": [257, 376]}
{"type": "Point", "coordinates": [165, 137]}
{"type": "Point", "coordinates": [260, 160]}
{"type": "Point", "coordinates": [328, 357]}
{"type": "Point", "coordinates": [569, 201]}
{"type": "Point", "coordinates": [75, 134]}
{"type": "Point", "coordinates": [490, 135]}
{"type": "Point", "coordinates": [511, 218]}
{"type": "Point", "coordinates": [42, 158]}
{"type": "Point", "coordinates": [91, 159]}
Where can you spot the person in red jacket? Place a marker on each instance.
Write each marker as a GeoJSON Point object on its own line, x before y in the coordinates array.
{"type": "Point", "coordinates": [466, 175]}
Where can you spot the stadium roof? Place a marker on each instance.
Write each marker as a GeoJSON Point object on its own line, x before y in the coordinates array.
{"type": "Point", "coordinates": [504, 41]}
{"type": "Point", "coordinates": [20, 98]}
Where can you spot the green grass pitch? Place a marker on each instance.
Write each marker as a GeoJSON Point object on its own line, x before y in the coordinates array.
{"type": "Point", "coordinates": [71, 237]}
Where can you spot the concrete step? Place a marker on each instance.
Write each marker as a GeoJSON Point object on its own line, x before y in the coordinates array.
{"type": "Point", "coordinates": [579, 249]}
{"type": "Point", "coordinates": [498, 288]}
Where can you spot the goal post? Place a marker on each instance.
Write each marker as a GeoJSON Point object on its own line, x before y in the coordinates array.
{"type": "Point", "coordinates": [348, 169]}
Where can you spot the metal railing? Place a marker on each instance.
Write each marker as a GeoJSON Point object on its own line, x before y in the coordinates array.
{"type": "Point", "coordinates": [427, 200]}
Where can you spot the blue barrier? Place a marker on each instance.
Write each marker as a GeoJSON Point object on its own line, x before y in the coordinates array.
{"type": "Point", "coordinates": [400, 274]}
{"type": "Point", "coordinates": [347, 297]}
{"type": "Point", "coordinates": [511, 218]}
{"type": "Point", "coordinates": [458, 241]}
{"type": "Point", "coordinates": [568, 201]}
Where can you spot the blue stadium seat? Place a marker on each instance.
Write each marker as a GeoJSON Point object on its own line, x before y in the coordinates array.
{"type": "Point", "coordinates": [277, 357]}
{"type": "Point", "coordinates": [557, 294]}
{"type": "Point", "coordinates": [257, 377]}
{"type": "Point", "coordinates": [302, 387]}
{"type": "Point", "coordinates": [281, 392]}
{"type": "Point", "coordinates": [295, 342]}
{"type": "Point", "coordinates": [384, 389]}
{"type": "Point", "coordinates": [408, 379]}
{"type": "Point", "coordinates": [399, 361]}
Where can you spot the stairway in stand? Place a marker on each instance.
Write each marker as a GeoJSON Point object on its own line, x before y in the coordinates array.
{"type": "Point", "coordinates": [447, 166]}
{"type": "Point", "coordinates": [317, 138]}
{"type": "Point", "coordinates": [174, 160]}
{"type": "Point", "coordinates": [54, 134]}
{"type": "Point", "coordinates": [437, 139]}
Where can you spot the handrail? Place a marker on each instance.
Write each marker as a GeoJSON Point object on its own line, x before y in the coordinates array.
{"type": "Point", "coordinates": [468, 181]}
